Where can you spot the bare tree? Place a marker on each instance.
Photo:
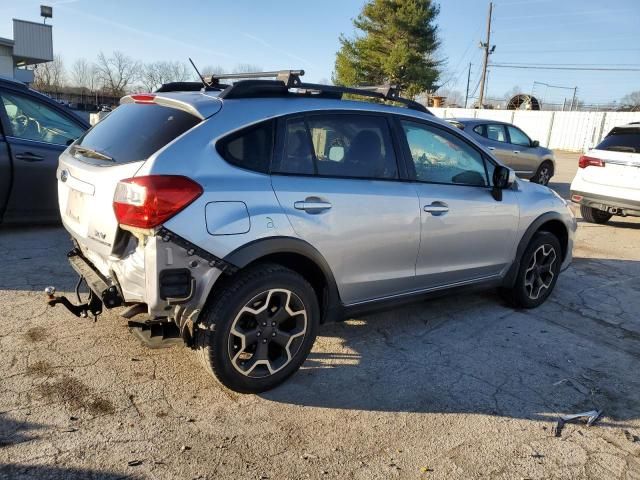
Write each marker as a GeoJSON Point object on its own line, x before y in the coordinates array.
{"type": "Point", "coordinates": [155, 74]}
{"type": "Point", "coordinates": [453, 97]}
{"type": "Point", "coordinates": [50, 76]}
{"type": "Point", "coordinates": [515, 90]}
{"type": "Point", "coordinates": [246, 68]}
{"type": "Point", "coordinates": [83, 74]}
{"type": "Point", "coordinates": [631, 102]}
{"type": "Point", "coordinates": [211, 69]}
{"type": "Point", "coordinates": [117, 73]}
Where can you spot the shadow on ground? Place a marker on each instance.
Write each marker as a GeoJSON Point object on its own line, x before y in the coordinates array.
{"type": "Point", "coordinates": [475, 354]}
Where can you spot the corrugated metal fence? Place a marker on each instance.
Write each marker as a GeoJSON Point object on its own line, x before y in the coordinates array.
{"type": "Point", "coordinates": [574, 131]}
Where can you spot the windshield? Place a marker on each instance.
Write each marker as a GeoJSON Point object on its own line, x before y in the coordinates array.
{"type": "Point", "coordinates": [134, 132]}
{"type": "Point", "coordinates": [622, 140]}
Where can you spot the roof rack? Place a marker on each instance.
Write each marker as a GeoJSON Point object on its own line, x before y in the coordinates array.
{"type": "Point", "coordinates": [258, 84]}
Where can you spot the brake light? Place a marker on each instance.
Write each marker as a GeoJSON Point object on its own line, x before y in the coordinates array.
{"type": "Point", "coordinates": [146, 202]}
{"type": "Point", "coordinates": [585, 162]}
{"type": "Point", "coordinates": [143, 98]}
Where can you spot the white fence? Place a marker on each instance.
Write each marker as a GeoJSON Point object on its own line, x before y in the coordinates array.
{"type": "Point", "coordinates": [575, 131]}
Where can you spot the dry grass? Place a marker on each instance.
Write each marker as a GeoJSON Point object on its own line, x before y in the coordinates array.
{"type": "Point", "coordinates": [36, 334]}
{"type": "Point", "coordinates": [40, 369]}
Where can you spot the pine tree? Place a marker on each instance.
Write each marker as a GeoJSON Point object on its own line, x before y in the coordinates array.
{"type": "Point", "coordinates": [396, 45]}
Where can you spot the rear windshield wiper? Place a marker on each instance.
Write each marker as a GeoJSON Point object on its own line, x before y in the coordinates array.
{"type": "Point", "coordinates": [89, 152]}
{"type": "Point", "coordinates": [622, 148]}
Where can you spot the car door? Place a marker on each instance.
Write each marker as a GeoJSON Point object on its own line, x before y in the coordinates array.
{"type": "Point", "coordinates": [337, 178]}
{"type": "Point", "coordinates": [524, 158]}
{"type": "Point", "coordinates": [5, 172]}
{"type": "Point", "coordinates": [496, 140]}
{"type": "Point", "coordinates": [36, 134]}
{"type": "Point", "coordinates": [466, 234]}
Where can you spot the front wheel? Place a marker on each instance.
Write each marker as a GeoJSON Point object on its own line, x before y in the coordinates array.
{"type": "Point", "coordinates": [538, 271]}
{"type": "Point", "coordinates": [259, 328]}
{"type": "Point", "coordinates": [544, 174]}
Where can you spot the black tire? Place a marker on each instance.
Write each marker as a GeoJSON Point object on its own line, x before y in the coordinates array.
{"type": "Point", "coordinates": [525, 295]}
{"type": "Point", "coordinates": [544, 173]}
{"type": "Point", "coordinates": [236, 360]}
{"type": "Point", "coordinates": [593, 215]}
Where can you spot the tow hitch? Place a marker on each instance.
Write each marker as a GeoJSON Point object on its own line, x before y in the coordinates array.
{"type": "Point", "coordinates": [102, 291]}
{"type": "Point", "coordinates": [93, 305]}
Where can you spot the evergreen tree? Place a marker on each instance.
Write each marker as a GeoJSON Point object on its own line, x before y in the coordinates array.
{"type": "Point", "coordinates": [396, 45]}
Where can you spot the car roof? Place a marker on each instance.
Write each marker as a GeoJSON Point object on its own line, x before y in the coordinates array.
{"type": "Point", "coordinates": [207, 103]}
{"type": "Point", "coordinates": [477, 121]}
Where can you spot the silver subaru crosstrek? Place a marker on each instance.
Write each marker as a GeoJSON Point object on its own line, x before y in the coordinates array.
{"type": "Point", "coordinates": [512, 147]}
{"type": "Point", "coordinates": [237, 219]}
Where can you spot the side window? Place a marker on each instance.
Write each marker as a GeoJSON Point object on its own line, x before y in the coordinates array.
{"type": "Point", "coordinates": [496, 132]}
{"type": "Point", "coordinates": [440, 157]}
{"type": "Point", "coordinates": [250, 148]}
{"type": "Point", "coordinates": [480, 130]}
{"type": "Point", "coordinates": [30, 119]}
{"type": "Point", "coordinates": [340, 145]}
{"type": "Point", "coordinates": [297, 156]}
{"type": "Point", "coordinates": [518, 137]}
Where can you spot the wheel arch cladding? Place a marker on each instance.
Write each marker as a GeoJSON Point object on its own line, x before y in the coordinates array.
{"type": "Point", "coordinates": [299, 256]}
{"type": "Point", "coordinates": [550, 222]}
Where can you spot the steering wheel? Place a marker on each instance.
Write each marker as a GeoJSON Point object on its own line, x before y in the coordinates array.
{"type": "Point", "coordinates": [22, 123]}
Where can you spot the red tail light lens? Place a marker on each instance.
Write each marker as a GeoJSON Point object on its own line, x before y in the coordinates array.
{"type": "Point", "coordinates": [585, 162]}
{"type": "Point", "coordinates": [146, 202]}
{"type": "Point", "coordinates": [143, 98]}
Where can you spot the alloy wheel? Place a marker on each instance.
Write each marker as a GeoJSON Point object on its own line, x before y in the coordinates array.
{"type": "Point", "coordinates": [544, 176]}
{"type": "Point", "coordinates": [267, 333]}
{"type": "Point", "coordinates": [539, 274]}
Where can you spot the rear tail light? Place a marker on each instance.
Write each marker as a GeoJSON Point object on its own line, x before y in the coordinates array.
{"type": "Point", "coordinates": [147, 202]}
{"type": "Point", "coordinates": [143, 97]}
{"type": "Point", "coordinates": [585, 162]}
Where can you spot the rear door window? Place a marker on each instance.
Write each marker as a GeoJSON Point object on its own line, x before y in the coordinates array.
{"type": "Point", "coordinates": [621, 140]}
{"type": "Point", "coordinates": [339, 145]}
{"type": "Point", "coordinates": [496, 132]}
{"type": "Point", "coordinates": [134, 132]}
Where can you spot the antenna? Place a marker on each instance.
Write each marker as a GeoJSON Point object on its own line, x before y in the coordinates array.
{"type": "Point", "coordinates": [206, 85]}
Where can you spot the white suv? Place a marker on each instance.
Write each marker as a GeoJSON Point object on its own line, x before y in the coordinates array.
{"type": "Point", "coordinates": [608, 179]}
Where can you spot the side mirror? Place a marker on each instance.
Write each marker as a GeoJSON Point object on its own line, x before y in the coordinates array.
{"type": "Point", "coordinates": [535, 143]}
{"type": "Point", "coordinates": [503, 177]}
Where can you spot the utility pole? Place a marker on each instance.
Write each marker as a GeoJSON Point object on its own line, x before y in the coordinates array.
{"type": "Point", "coordinates": [573, 100]}
{"type": "Point", "coordinates": [466, 97]}
{"type": "Point", "coordinates": [488, 50]}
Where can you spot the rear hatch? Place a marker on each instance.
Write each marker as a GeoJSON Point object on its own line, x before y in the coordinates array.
{"type": "Point", "coordinates": [113, 150]}
{"type": "Point", "coordinates": [620, 155]}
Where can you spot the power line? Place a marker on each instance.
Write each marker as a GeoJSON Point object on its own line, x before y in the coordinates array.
{"type": "Point", "coordinates": [586, 69]}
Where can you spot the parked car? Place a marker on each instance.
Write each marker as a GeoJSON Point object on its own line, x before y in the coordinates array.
{"type": "Point", "coordinates": [34, 130]}
{"type": "Point", "coordinates": [607, 182]}
{"type": "Point", "coordinates": [512, 147]}
{"type": "Point", "coordinates": [241, 219]}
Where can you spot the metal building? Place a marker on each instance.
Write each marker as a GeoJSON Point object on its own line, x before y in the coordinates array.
{"type": "Point", "coordinates": [32, 43]}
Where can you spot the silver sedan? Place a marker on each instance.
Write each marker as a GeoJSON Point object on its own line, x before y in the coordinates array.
{"type": "Point", "coordinates": [512, 147]}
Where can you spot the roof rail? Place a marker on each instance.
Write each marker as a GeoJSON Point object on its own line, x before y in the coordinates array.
{"type": "Point", "coordinates": [256, 84]}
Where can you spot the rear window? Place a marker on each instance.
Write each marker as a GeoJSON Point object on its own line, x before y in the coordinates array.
{"type": "Point", "coordinates": [621, 140]}
{"type": "Point", "coordinates": [250, 148]}
{"type": "Point", "coordinates": [134, 132]}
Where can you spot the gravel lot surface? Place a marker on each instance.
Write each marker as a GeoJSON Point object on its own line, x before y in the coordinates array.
{"type": "Point", "coordinates": [459, 387]}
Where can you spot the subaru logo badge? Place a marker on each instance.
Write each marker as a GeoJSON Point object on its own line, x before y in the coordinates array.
{"type": "Point", "coordinates": [64, 175]}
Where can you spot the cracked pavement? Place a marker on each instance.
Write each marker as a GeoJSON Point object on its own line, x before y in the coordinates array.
{"type": "Point", "coordinates": [458, 387]}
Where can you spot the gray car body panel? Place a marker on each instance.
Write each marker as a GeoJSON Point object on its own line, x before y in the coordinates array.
{"type": "Point", "coordinates": [376, 239]}
{"type": "Point", "coordinates": [525, 162]}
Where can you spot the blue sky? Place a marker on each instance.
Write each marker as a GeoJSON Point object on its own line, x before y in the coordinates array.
{"type": "Point", "coordinates": [292, 34]}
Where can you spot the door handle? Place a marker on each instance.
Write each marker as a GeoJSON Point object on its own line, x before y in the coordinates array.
{"type": "Point", "coordinates": [516, 151]}
{"type": "Point", "coordinates": [312, 205]}
{"type": "Point", "coordinates": [491, 148]}
{"type": "Point", "coordinates": [29, 157]}
{"type": "Point", "coordinates": [436, 208]}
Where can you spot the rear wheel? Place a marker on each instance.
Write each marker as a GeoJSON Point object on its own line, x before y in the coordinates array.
{"type": "Point", "coordinates": [544, 174]}
{"type": "Point", "coordinates": [538, 272]}
{"type": "Point", "coordinates": [593, 215]}
{"type": "Point", "coordinates": [259, 329]}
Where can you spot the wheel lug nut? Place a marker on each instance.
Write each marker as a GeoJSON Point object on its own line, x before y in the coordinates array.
{"type": "Point", "coordinates": [273, 334]}
{"type": "Point", "coordinates": [264, 324]}
{"type": "Point", "coordinates": [258, 334]}
{"type": "Point", "coordinates": [273, 324]}
{"type": "Point", "coordinates": [264, 340]}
